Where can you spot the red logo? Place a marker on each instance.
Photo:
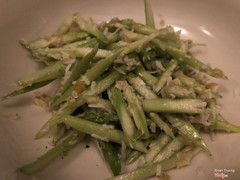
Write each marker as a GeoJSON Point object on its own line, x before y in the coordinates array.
{"type": "Point", "coordinates": [222, 175]}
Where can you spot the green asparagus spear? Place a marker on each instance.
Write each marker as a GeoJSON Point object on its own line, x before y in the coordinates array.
{"type": "Point", "coordinates": [120, 106]}
{"type": "Point", "coordinates": [139, 43]}
{"type": "Point", "coordinates": [147, 77]}
{"type": "Point", "coordinates": [28, 89]}
{"type": "Point", "coordinates": [165, 33]}
{"type": "Point", "coordinates": [56, 151]}
{"type": "Point", "coordinates": [102, 65]}
{"type": "Point", "coordinates": [162, 80]}
{"type": "Point", "coordinates": [101, 117]}
{"type": "Point", "coordinates": [100, 131]}
{"type": "Point", "coordinates": [89, 27]}
{"type": "Point", "coordinates": [156, 147]}
{"type": "Point", "coordinates": [70, 53]}
{"type": "Point", "coordinates": [65, 26]}
{"type": "Point", "coordinates": [88, 43]}
{"type": "Point", "coordinates": [55, 40]}
{"type": "Point", "coordinates": [163, 125]}
{"type": "Point", "coordinates": [97, 102]}
{"type": "Point", "coordinates": [50, 72]}
{"type": "Point", "coordinates": [134, 107]}
{"type": "Point", "coordinates": [59, 133]}
{"type": "Point", "coordinates": [222, 124]}
{"type": "Point", "coordinates": [111, 156]}
{"type": "Point", "coordinates": [132, 156]}
{"type": "Point", "coordinates": [174, 105]}
{"type": "Point", "coordinates": [177, 91]}
{"type": "Point", "coordinates": [149, 14]}
{"type": "Point", "coordinates": [192, 83]}
{"type": "Point", "coordinates": [188, 130]}
{"type": "Point", "coordinates": [140, 86]}
{"type": "Point", "coordinates": [46, 60]}
{"type": "Point", "coordinates": [169, 38]}
{"type": "Point", "coordinates": [170, 149]}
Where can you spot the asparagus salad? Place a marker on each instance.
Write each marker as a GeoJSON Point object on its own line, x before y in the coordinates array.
{"type": "Point", "coordinates": [135, 89]}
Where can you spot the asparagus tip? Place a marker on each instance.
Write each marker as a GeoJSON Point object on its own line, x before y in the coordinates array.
{"type": "Point", "coordinates": [4, 97]}
{"type": "Point", "coordinates": [23, 42]}
{"type": "Point", "coordinates": [205, 148]}
{"type": "Point", "coordinates": [39, 134]}
{"type": "Point", "coordinates": [218, 73]}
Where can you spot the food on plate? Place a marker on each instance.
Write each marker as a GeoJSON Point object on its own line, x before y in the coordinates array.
{"type": "Point", "coordinates": [135, 88]}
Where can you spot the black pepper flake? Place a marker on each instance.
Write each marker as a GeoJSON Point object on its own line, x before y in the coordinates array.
{"type": "Point", "coordinates": [87, 146]}
{"type": "Point", "coordinates": [46, 147]}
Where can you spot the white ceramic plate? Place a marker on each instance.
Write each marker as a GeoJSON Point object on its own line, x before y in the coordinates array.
{"type": "Point", "coordinates": [214, 22]}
